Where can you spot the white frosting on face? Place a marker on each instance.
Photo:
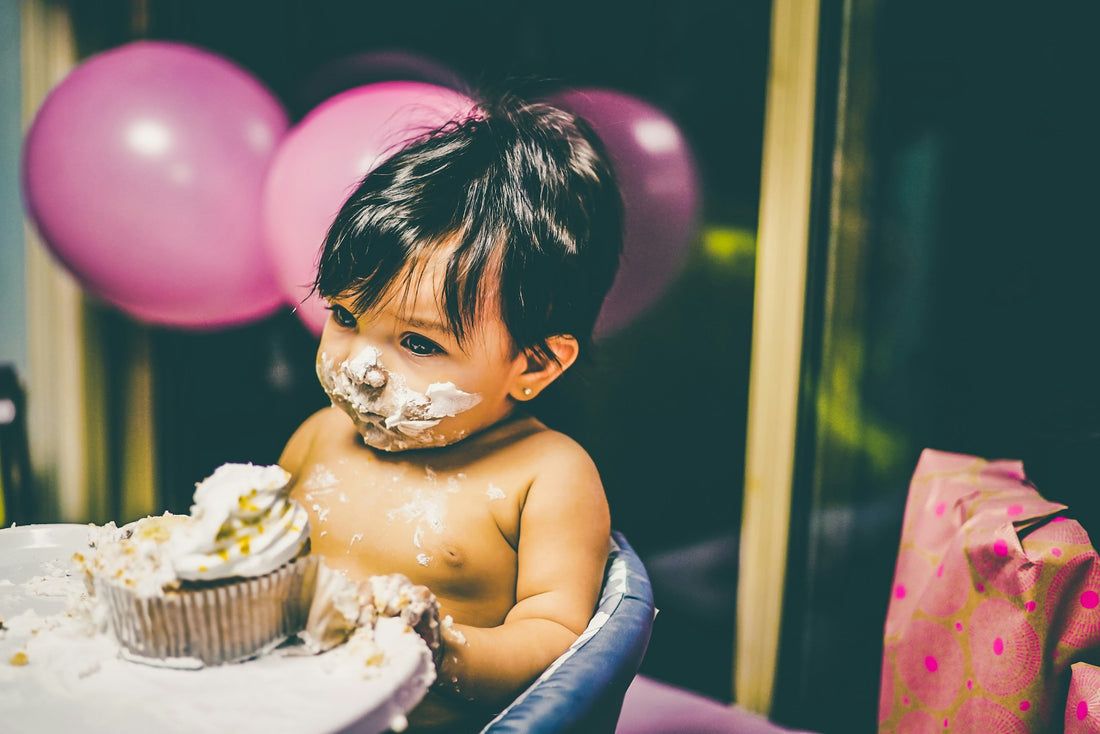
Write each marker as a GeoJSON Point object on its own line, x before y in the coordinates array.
{"type": "Point", "coordinates": [388, 413]}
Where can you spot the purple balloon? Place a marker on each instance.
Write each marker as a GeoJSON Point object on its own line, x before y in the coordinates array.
{"type": "Point", "coordinates": [144, 170]}
{"type": "Point", "coordinates": [660, 190]}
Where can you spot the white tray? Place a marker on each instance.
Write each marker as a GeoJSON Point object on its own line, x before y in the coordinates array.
{"type": "Point", "coordinates": [78, 682]}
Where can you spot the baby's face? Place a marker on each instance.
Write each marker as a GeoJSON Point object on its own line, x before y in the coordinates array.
{"type": "Point", "coordinates": [402, 378]}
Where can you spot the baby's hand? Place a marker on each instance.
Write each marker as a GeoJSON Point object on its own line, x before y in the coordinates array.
{"type": "Point", "coordinates": [395, 595]}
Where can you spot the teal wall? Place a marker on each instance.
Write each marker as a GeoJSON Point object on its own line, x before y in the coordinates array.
{"type": "Point", "coordinates": [13, 321]}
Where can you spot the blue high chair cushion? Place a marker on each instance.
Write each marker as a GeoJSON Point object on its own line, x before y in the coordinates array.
{"type": "Point", "coordinates": [583, 690]}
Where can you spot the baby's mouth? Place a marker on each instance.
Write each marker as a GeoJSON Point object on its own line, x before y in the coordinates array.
{"type": "Point", "coordinates": [374, 419]}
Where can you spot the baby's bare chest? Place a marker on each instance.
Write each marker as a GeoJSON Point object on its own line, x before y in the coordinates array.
{"type": "Point", "coordinates": [454, 531]}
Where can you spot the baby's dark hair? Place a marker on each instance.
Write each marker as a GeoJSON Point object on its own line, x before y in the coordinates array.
{"type": "Point", "coordinates": [527, 193]}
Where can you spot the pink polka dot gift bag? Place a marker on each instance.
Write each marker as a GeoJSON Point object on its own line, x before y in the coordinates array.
{"type": "Point", "coordinates": [996, 596]}
{"type": "Point", "coordinates": [1083, 701]}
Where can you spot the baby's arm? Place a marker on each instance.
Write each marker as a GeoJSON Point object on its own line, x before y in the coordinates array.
{"type": "Point", "coordinates": [563, 546]}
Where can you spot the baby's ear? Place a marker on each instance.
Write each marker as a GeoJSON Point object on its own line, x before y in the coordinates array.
{"type": "Point", "coordinates": [542, 370]}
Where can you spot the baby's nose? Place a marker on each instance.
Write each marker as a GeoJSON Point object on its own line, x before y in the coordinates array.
{"type": "Point", "coordinates": [366, 368]}
{"type": "Point", "coordinates": [375, 377]}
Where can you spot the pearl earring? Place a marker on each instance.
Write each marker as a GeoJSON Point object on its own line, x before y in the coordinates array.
{"type": "Point", "coordinates": [527, 392]}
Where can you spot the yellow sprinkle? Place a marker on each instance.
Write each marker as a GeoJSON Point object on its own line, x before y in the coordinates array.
{"type": "Point", "coordinates": [19, 658]}
{"type": "Point", "coordinates": [202, 569]}
{"type": "Point", "coordinates": [223, 554]}
{"type": "Point", "coordinates": [244, 546]}
{"type": "Point", "coordinates": [158, 533]}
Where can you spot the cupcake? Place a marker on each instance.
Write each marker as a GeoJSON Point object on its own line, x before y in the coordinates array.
{"type": "Point", "coordinates": [226, 583]}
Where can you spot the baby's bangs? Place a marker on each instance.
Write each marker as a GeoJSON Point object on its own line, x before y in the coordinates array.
{"type": "Point", "coordinates": [473, 274]}
{"type": "Point", "coordinates": [369, 279]}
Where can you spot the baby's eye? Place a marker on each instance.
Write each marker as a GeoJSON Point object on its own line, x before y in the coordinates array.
{"type": "Point", "coordinates": [342, 316]}
{"type": "Point", "coordinates": [420, 345]}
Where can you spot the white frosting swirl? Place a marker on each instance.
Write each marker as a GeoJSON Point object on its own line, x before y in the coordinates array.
{"type": "Point", "coordinates": [243, 523]}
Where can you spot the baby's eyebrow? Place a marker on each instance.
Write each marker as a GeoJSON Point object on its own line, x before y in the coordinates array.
{"type": "Point", "coordinates": [426, 324]}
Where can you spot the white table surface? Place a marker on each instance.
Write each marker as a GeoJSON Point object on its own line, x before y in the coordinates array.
{"type": "Point", "coordinates": [76, 681]}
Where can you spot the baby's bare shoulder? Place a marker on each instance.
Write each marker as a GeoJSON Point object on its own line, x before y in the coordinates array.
{"type": "Point", "coordinates": [544, 449]}
{"type": "Point", "coordinates": [561, 469]}
{"type": "Point", "coordinates": [562, 452]}
{"type": "Point", "coordinates": [301, 443]}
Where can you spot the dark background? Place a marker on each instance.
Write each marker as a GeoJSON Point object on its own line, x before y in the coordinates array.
{"type": "Point", "coordinates": [974, 254]}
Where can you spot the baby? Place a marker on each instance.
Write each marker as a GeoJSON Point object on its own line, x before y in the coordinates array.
{"type": "Point", "coordinates": [464, 276]}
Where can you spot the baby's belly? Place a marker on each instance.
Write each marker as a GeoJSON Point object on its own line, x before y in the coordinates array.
{"type": "Point", "coordinates": [474, 583]}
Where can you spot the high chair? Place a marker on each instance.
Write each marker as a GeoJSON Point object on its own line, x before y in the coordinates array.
{"type": "Point", "coordinates": [583, 690]}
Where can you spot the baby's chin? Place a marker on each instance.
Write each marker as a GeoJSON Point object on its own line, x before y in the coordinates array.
{"type": "Point", "coordinates": [376, 435]}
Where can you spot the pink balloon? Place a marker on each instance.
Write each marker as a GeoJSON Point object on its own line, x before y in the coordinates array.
{"type": "Point", "coordinates": [660, 189]}
{"type": "Point", "coordinates": [144, 171]}
{"type": "Point", "coordinates": [323, 158]}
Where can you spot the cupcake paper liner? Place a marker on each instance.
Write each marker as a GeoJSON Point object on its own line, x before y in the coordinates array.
{"type": "Point", "coordinates": [224, 623]}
